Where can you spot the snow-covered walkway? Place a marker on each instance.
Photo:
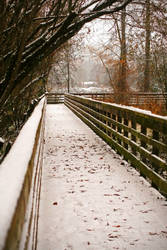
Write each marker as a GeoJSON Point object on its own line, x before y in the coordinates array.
{"type": "Point", "coordinates": [91, 198]}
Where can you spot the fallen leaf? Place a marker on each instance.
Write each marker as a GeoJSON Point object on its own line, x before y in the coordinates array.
{"type": "Point", "coordinates": [83, 191]}
{"type": "Point", "coordinates": [165, 232]}
{"type": "Point", "coordinates": [55, 203]}
{"type": "Point", "coordinates": [151, 233]}
{"type": "Point", "coordinates": [112, 236]}
{"type": "Point", "coordinates": [71, 192]}
{"type": "Point", "coordinates": [145, 211]}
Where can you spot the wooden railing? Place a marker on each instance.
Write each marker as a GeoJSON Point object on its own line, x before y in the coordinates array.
{"type": "Point", "coordinates": [20, 184]}
{"type": "Point", "coordinates": [131, 98]}
{"type": "Point", "coordinates": [53, 98]}
{"type": "Point", "coordinates": [140, 137]}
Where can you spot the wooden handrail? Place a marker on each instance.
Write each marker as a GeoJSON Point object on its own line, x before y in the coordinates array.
{"type": "Point", "coordinates": [21, 184]}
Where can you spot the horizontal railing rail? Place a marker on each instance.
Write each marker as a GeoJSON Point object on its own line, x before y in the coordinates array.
{"type": "Point", "coordinates": [139, 136]}
{"type": "Point", "coordinates": [20, 183]}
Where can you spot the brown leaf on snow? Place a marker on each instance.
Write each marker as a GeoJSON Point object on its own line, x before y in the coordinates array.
{"type": "Point", "coordinates": [91, 171]}
{"type": "Point", "coordinates": [151, 233]}
{"type": "Point", "coordinates": [145, 211]}
{"type": "Point", "coordinates": [71, 192]}
{"type": "Point", "coordinates": [116, 226]}
{"type": "Point", "coordinates": [55, 203]}
{"type": "Point", "coordinates": [165, 232]}
{"type": "Point", "coordinates": [112, 236]}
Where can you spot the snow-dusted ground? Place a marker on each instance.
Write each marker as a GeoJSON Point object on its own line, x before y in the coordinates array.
{"type": "Point", "coordinates": [91, 198]}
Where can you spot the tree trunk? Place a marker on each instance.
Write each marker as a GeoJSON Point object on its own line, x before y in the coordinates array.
{"type": "Point", "coordinates": [121, 96]}
{"type": "Point", "coordinates": [147, 48]}
{"type": "Point", "coordinates": [123, 55]}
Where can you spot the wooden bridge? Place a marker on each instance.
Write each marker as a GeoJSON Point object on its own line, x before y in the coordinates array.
{"type": "Point", "coordinates": [91, 197]}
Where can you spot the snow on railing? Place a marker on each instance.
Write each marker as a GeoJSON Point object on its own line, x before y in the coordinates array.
{"type": "Point", "coordinates": [138, 135]}
{"type": "Point", "coordinates": [20, 175]}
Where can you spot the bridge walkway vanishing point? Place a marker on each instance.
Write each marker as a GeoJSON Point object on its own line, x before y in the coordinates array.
{"type": "Point", "coordinates": [91, 198]}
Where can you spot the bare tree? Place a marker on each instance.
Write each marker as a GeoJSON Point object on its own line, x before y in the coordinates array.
{"type": "Point", "coordinates": [147, 47]}
{"type": "Point", "coordinates": [32, 30]}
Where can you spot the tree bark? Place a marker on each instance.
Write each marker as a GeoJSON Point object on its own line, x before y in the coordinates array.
{"type": "Point", "coordinates": [146, 87]}
{"type": "Point", "coordinates": [123, 55]}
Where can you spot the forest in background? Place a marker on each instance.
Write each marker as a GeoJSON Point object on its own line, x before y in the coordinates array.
{"type": "Point", "coordinates": [38, 36]}
{"type": "Point", "coordinates": [131, 58]}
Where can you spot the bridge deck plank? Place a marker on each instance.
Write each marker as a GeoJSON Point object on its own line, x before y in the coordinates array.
{"type": "Point", "coordinates": [91, 198]}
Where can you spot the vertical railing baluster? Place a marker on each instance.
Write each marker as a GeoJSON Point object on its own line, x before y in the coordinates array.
{"type": "Point", "coordinates": [119, 129]}
{"type": "Point", "coordinates": [133, 137]}
{"type": "Point", "coordinates": [155, 150]}
{"type": "Point", "coordinates": [126, 122]}
{"type": "Point", "coordinates": [144, 145]}
{"type": "Point", "coordinates": [113, 125]}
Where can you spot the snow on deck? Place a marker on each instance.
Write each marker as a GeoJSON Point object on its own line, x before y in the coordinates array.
{"type": "Point", "coordinates": [91, 198]}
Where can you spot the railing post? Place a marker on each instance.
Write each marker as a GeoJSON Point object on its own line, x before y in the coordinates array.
{"type": "Point", "coordinates": [155, 150]}
{"type": "Point", "coordinates": [133, 137]}
{"type": "Point", "coordinates": [113, 125]}
{"type": "Point", "coordinates": [126, 132]}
